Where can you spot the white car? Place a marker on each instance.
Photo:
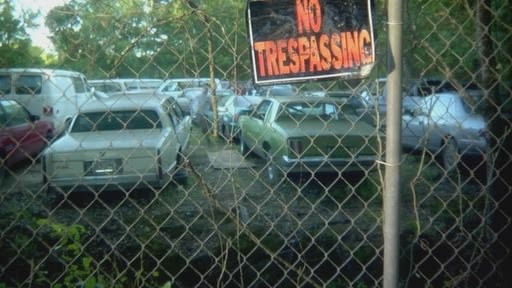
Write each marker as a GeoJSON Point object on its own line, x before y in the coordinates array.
{"type": "Point", "coordinates": [229, 111]}
{"type": "Point", "coordinates": [443, 124]}
{"type": "Point", "coordinates": [119, 143]}
{"type": "Point", "coordinates": [126, 86]}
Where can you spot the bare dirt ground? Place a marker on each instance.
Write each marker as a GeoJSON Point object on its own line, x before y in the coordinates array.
{"type": "Point", "coordinates": [223, 204]}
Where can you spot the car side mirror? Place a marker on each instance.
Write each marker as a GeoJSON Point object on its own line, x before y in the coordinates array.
{"type": "Point", "coordinates": [33, 118]}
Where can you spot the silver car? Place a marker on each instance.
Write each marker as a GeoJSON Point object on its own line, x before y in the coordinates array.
{"type": "Point", "coordinates": [230, 109]}
{"type": "Point", "coordinates": [445, 125]}
{"type": "Point", "coordinates": [119, 143]}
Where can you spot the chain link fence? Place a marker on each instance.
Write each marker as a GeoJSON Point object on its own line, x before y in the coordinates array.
{"type": "Point", "coordinates": [222, 217]}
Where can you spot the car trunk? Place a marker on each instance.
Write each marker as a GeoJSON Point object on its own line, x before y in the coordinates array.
{"type": "Point", "coordinates": [102, 154]}
{"type": "Point", "coordinates": [335, 138]}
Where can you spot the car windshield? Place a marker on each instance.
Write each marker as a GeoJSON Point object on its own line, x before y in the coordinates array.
{"type": "Point", "coordinates": [242, 101]}
{"type": "Point", "coordinates": [116, 120]}
{"type": "Point", "coordinates": [300, 110]}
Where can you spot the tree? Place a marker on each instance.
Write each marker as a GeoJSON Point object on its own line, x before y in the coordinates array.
{"type": "Point", "coordinates": [151, 39]}
{"type": "Point", "coordinates": [16, 48]}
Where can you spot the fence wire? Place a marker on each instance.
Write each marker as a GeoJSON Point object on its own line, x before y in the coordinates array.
{"type": "Point", "coordinates": [228, 214]}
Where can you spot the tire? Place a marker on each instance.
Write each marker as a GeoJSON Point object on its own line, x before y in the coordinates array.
{"type": "Point", "coordinates": [272, 171]}
{"type": "Point", "coordinates": [244, 149]}
{"type": "Point", "coordinates": [180, 174]}
{"type": "Point", "coordinates": [227, 133]}
{"type": "Point", "coordinates": [450, 156]}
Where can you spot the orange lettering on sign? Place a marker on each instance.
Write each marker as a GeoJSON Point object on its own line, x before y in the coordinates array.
{"type": "Point", "coordinates": [309, 16]}
{"type": "Point", "coordinates": [259, 47]}
{"type": "Point", "coordinates": [337, 57]}
{"type": "Point", "coordinates": [326, 58]}
{"type": "Point", "coordinates": [294, 56]}
{"type": "Point", "coordinates": [353, 53]}
{"type": "Point", "coordinates": [303, 49]}
{"type": "Point", "coordinates": [314, 63]}
{"type": "Point", "coordinates": [364, 41]}
{"type": "Point", "coordinates": [271, 53]}
{"type": "Point", "coordinates": [281, 57]}
{"type": "Point", "coordinates": [313, 53]}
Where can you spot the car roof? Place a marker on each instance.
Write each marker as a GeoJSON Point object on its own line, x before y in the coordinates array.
{"type": "Point", "coordinates": [290, 99]}
{"type": "Point", "coordinates": [123, 102]}
{"type": "Point", "coordinates": [124, 80]}
{"type": "Point", "coordinates": [45, 71]}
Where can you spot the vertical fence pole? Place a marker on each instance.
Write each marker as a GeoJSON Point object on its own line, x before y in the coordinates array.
{"type": "Point", "coordinates": [393, 146]}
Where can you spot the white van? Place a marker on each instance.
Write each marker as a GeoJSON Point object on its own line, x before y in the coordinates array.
{"type": "Point", "coordinates": [51, 94]}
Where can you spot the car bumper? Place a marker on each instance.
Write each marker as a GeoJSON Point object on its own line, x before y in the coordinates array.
{"type": "Point", "coordinates": [322, 164]}
{"type": "Point", "coordinates": [472, 147]}
{"type": "Point", "coordinates": [106, 183]}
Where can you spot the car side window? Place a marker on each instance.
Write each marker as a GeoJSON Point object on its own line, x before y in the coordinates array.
{"type": "Point", "coordinates": [171, 112]}
{"type": "Point", "coordinates": [262, 109]}
{"type": "Point", "coordinates": [28, 84]}
{"type": "Point", "coordinates": [5, 84]}
{"type": "Point", "coordinates": [178, 111]}
{"type": "Point", "coordinates": [79, 84]}
{"type": "Point", "coordinates": [15, 114]}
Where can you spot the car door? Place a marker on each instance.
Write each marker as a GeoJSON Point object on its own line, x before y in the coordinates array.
{"type": "Point", "coordinates": [414, 122]}
{"type": "Point", "coordinates": [22, 139]}
{"type": "Point", "coordinates": [182, 123]}
{"type": "Point", "coordinates": [256, 126]}
{"type": "Point", "coordinates": [28, 90]}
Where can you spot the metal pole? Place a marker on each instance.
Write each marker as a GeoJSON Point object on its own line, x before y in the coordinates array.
{"type": "Point", "coordinates": [393, 146]}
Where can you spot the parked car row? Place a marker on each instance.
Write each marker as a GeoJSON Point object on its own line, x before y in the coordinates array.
{"type": "Point", "coordinates": [126, 140]}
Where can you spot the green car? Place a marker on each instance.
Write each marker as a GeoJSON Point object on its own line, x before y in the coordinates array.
{"type": "Point", "coordinates": [309, 134]}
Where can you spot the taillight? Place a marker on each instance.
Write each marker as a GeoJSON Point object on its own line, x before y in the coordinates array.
{"type": "Point", "coordinates": [295, 146]}
{"type": "Point", "coordinates": [47, 110]}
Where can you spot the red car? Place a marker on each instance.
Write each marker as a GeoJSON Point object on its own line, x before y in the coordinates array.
{"type": "Point", "coordinates": [22, 135]}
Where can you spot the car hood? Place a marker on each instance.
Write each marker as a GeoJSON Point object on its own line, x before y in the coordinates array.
{"type": "Point", "coordinates": [105, 140]}
{"type": "Point", "coordinates": [468, 121]}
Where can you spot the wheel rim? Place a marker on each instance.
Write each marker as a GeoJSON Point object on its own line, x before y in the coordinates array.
{"type": "Point", "coordinates": [271, 168]}
{"type": "Point", "coordinates": [271, 172]}
{"type": "Point", "coordinates": [242, 147]}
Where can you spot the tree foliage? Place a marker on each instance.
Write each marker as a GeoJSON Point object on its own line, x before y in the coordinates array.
{"type": "Point", "coordinates": [136, 38]}
{"type": "Point", "coordinates": [185, 38]}
{"type": "Point", "coordinates": [16, 48]}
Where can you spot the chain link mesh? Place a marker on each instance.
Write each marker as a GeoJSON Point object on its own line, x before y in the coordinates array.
{"type": "Point", "coordinates": [220, 221]}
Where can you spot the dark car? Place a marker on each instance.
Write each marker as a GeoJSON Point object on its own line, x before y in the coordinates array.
{"type": "Point", "coordinates": [22, 135]}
